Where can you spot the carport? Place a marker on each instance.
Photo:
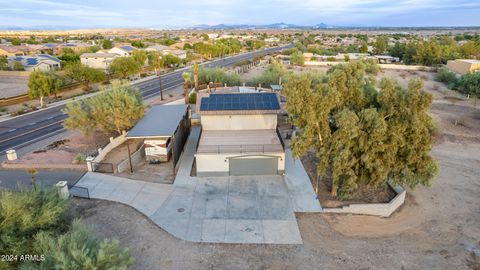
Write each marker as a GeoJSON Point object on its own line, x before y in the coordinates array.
{"type": "Point", "coordinates": [164, 129]}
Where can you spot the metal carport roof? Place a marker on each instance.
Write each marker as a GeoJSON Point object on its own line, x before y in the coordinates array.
{"type": "Point", "coordinates": [159, 121]}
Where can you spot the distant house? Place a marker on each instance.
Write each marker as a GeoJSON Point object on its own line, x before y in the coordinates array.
{"type": "Point", "coordinates": [75, 46]}
{"type": "Point", "coordinates": [98, 60]}
{"type": "Point", "coordinates": [126, 50]}
{"type": "Point", "coordinates": [239, 135]}
{"type": "Point", "coordinates": [43, 62]}
{"type": "Point", "coordinates": [464, 66]}
{"type": "Point", "coordinates": [386, 59]}
{"type": "Point", "coordinates": [10, 50]}
{"type": "Point", "coordinates": [167, 50]}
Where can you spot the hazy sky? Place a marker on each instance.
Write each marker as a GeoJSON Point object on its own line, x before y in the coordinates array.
{"type": "Point", "coordinates": [160, 13]}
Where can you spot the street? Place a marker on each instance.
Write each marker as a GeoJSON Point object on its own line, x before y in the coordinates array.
{"type": "Point", "coordinates": [34, 127]}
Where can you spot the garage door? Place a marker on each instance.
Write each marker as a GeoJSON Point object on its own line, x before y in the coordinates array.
{"type": "Point", "coordinates": [254, 166]}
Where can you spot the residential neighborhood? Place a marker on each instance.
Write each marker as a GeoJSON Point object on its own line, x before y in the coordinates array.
{"type": "Point", "coordinates": [305, 135]}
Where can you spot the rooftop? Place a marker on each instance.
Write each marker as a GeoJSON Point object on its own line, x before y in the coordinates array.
{"type": "Point", "coordinates": [159, 121]}
{"type": "Point", "coordinates": [105, 55]}
{"type": "Point", "coordinates": [239, 141]}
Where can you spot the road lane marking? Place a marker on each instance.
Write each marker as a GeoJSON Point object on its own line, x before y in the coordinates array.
{"type": "Point", "coordinates": [30, 131]}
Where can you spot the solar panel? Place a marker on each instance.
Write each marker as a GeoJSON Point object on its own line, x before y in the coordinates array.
{"type": "Point", "coordinates": [250, 101]}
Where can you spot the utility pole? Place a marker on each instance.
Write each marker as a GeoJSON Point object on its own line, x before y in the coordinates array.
{"type": "Point", "coordinates": [160, 79]}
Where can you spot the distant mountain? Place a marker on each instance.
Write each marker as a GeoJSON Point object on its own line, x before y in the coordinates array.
{"type": "Point", "coordinates": [38, 27]}
{"type": "Point", "coordinates": [280, 25]}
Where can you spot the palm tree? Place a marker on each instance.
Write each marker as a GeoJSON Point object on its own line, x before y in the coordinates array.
{"type": "Point", "coordinates": [186, 79]}
{"type": "Point", "coordinates": [195, 75]}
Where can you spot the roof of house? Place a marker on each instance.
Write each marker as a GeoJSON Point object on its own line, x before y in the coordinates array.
{"type": "Point", "coordinates": [159, 121]}
{"type": "Point", "coordinates": [471, 61]}
{"type": "Point", "coordinates": [127, 48]}
{"type": "Point", "coordinates": [33, 60]}
{"type": "Point", "coordinates": [103, 55]}
{"type": "Point", "coordinates": [240, 103]}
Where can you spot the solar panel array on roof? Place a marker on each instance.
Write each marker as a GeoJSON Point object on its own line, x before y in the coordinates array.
{"type": "Point", "coordinates": [31, 61]}
{"type": "Point", "coordinates": [235, 102]}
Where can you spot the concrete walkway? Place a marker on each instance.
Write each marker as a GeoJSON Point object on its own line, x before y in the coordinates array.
{"type": "Point", "coordinates": [216, 210]}
{"type": "Point", "coordinates": [300, 188]}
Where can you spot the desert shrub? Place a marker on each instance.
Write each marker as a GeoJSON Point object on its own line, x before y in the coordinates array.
{"type": "Point", "coordinates": [469, 84]}
{"type": "Point", "coordinates": [207, 75]}
{"type": "Point", "coordinates": [79, 249]}
{"type": "Point", "coordinates": [445, 75]}
{"type": "Point", "coordinates": [79, 158]}
{"type": "Point", "coordinates": [24, 214]}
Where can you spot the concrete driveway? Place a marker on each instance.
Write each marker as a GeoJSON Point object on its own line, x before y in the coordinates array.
{"type": "Point", "coordinates": [245, 209]}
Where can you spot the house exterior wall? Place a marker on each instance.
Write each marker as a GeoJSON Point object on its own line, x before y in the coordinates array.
{"type": "Point", "coordinates": [462, 67]}
{"type": "Point", "coordinates": [218, 164]}
{"type": "Point", "coordinates": [239, 122]}
{"type": "Point", "coordinates": [96, 62]}
{"type": "Point", "coordinates": [119, 51]}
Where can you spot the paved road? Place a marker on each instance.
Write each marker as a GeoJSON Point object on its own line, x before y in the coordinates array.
{"type": "Point", "coordinates": [19, 179]}
{"type": "Point", "coordinates": [27, 129]}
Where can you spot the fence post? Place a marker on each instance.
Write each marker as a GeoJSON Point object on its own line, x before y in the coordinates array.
{"type": "Point", "coordinates": [89, 161]}
{"type": "Point", "coordinates": [62, 189]}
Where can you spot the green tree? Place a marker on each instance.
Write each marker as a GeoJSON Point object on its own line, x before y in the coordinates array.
{"type": "Point", "coordinates": [195, 75]}
{"type": "Point", "coordinates": [297, 58]}
{"type": "Point", "coordinates": [363, 48]}
{"type": "Point", "coordinates": [41, 84]}
{"type": "Point", "coordinates": [16, 41]}
{"type": "Point", "coordinates": [380, 45]}
{"type": "Point", "coordinates": [125, 66]}
{"type": "Point", "coordinates": [140, 56]}
{"type": "Point", "coordinates": [186, 81]}
{"type": "Point", "coordinates": [111, 111]}
{"type": "Point", "coordinates": [169, 60]}
{"type": "Point", "coordinates": [469, 84]}
{"type": "Point", "coordinates": [138, 44]}
{"type": "Point", "coordinates": [84, 74]}
{"type": "Point", "coordinates": [364, 136]}
{"type": "Point", "coordinates": [3, 63]}
{"type": "Point", "coordinates": [17, 66]}
{"type": "Point", "coordinates": [107, 44]}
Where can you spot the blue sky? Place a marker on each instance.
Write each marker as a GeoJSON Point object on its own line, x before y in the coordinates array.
{"type": "Point", "coordinates": [162, 13]}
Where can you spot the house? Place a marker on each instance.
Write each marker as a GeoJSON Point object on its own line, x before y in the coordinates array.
{"type": "Point", "coordinates": [464, 66]}
{"type": "Point", "coordinates": [98, 60]}
{"type": "Point", "coordinates": [10, 50]}
{"type": "Point", "coordinates": [41, 62]}
{"type": "Point", "coordinates": [239, 135]}
{"type": "Point", "coordinates": [167, 50]}
{"type": "Point", "coordinates": [126, 50]}
{"type": "Point", "coordinates": [386, 59]}
{"type": "Point", "coordinates": [75, 47]}
{"type": "Point", "coordinates": [164, 130]}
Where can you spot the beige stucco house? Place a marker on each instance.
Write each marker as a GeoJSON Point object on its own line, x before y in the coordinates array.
{"type": "Point", "coordinates": [239, 135]}
{"type": "Point", "coordinates": [98, 60]}
{"type": "Point", "coordinates": [464, 66]}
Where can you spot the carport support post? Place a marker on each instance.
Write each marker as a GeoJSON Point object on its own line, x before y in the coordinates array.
{"type": "Point", "coordinates": [173, 154]}
{"type": "Point", "coordinates": [129, 156]}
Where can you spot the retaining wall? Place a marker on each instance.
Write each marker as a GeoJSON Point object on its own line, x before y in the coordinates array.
{"type": "Point", "coordinates": [114, 142]}
{"type": "Point", "coordinates": [373, 209]}
{"type": "Point", "coordinates": [382, 66]}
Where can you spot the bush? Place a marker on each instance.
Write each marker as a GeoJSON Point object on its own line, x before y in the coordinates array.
{"type": "Point", "coordinates": [445, 75]}
{"type": "Point", "coordinates": [24, 214]}
{"type": "Point", "coordinates": [80, 249]}
{"type": "Point", "coordinates": [192, 99]}
{"type": "Point", "coordinates": [469, 84]}
{"type": "Point", "coordinates": [207, 75]}
{"type": "Point", "coordinates": [79, 158]}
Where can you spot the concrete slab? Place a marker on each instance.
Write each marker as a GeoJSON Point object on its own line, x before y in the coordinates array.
{"type": "Point", "coordinates": [125, 192]}
{"type": "Point", "coordinates": [275, 207]}
{"type": "Point", "coordinates": [243, 206]}
{"type": "Point", "coordinates": [175, 207]}
{"type": "Point", "coordinates": [241, 185]}
{"type": "Point", "coordinates": [176, 227]}
{"type": "Point", "coordinates": [213, 230]}
{"type": "Point", "coordinates": [216, 206]}
{"type": "Point", "coordinates": [194, 231]}
{"type": "Point", "coordinates": [244, 231]}
{"type": "Point", "coordinates": [281, 232]}
{"type": "Point", "coordinates": [299, 187]}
